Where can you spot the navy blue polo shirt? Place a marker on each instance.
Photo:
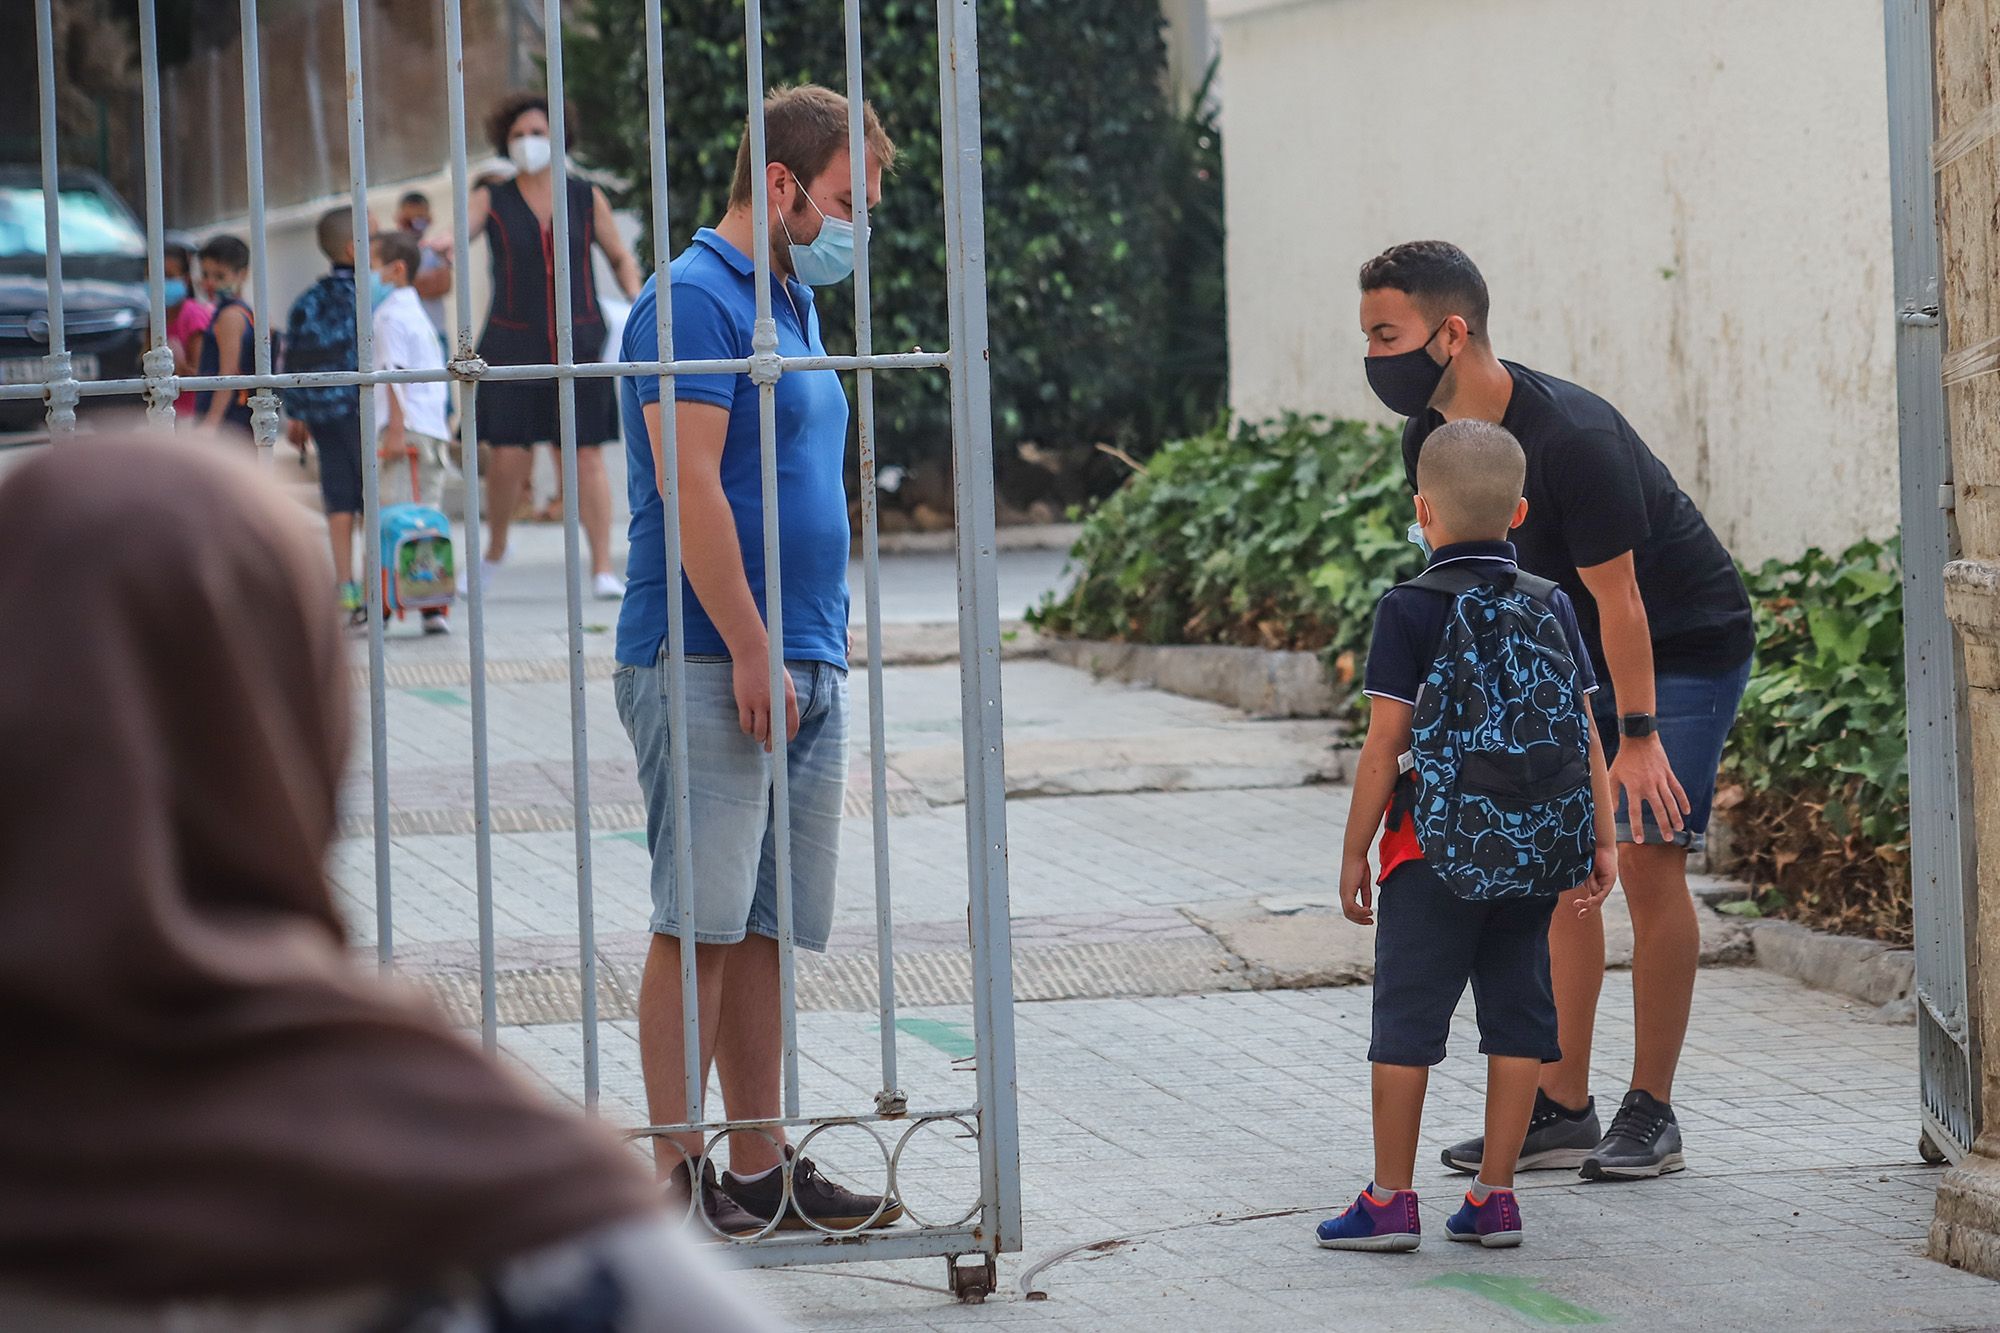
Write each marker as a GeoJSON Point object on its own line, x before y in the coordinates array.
{"type": "Point", "coordinates": [714, 311]}
{"type": "Point", "coordinates": [1409, 625]}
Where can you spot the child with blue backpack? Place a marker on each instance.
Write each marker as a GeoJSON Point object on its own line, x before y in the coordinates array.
{"type": "Point", "coordinates": [1484, 772]}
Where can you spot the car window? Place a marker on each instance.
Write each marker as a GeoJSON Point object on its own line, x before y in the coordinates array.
{"type": "Point", "coordinates": [87, 222]}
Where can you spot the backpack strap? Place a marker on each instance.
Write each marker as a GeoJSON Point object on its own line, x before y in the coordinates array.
{"type": "Point", "coordinates": [1453, 580]}
{"type": "Point", "coordinates": [1535, 586]}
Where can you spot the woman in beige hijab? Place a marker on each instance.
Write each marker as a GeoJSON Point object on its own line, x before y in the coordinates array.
{"type": "Point", "coordinates": [210, 1119]}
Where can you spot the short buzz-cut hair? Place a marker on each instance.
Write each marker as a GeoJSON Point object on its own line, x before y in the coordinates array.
{"type": "Point", "coordinates": [805, 128]}
{"type": "Point", "coordinates": [336, 233]}
{"type": "Point", "coordinates": [414, 197]}
{"type": "Point", "coordinates": [1437, 275]}
{"type": "Point", "coordinates": [228, 251]}
{"type": "Point", "coordinates": [1471, 473]}
{"type": "Point", "coordinates": [398, 247]}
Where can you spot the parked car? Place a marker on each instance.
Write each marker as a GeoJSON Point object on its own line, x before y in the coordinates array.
{"type": "Point", "coordinates": [104, 292]}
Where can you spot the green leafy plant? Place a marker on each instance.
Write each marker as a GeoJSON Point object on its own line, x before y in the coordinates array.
{"type": "Point", "coordinates": [1819, 755]}
{"type": "Point", "coordinates": [1280, 534]}
{"type": "Point", "coordinates": [1103, 206]}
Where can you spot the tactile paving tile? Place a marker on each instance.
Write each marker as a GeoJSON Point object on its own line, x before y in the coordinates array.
{"type": "Point", "coordinates": [847, 982]}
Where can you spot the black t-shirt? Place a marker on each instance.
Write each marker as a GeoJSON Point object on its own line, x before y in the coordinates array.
{"type": "Point", "coordinates": [1595, 491]}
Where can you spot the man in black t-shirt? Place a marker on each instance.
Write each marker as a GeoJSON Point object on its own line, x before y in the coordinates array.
{"type": "Point", "coordinates": [1667, 624]}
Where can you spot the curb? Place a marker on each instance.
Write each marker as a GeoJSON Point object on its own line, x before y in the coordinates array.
{"type": "Point", "coordinates": [1865, 970]}
{"type": "Point", "coordinates": [1019, 537]}
{"type": "Point", "coordinates": [1868, 971]}
{"type": "Point", "coordinates": [1257, 681]}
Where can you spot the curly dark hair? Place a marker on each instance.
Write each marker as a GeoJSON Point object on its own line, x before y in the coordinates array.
{"type": "Point", "coordinates": [513, 106]}
{"type": "Point", "coordinates": [1438, 276]}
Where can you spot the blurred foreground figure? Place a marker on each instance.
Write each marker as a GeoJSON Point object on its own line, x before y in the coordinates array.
{"type": "Point", "coordinates": [212, 1119]}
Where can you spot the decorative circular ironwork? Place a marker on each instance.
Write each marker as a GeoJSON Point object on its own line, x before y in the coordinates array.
{"type": "Point", "coordinates": [881, 1204]}
{"type": "Point", "coordinates": [896, 1163]}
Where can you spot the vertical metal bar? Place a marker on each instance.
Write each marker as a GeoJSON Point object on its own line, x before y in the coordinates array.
{"type": "Point", "coordinates": [371, 488]}
{"type": "Point", "coordinates": [669, 485]}
{"type": "Point", "coordinates": [468, 443]}
{"type": "Point", "coordinates": [1942, 843]}
{"type": "Point", "coordinates": [158, 363]}
{"type": "Point", "coordinates": [62, 393]}
{"type": "Point", "coordinates": [979, 621]}
{"type": "Point", "coordinates": [890, 1099]}
{"type": "Point", "coordinates": [565, 349]}
{"type": "Point", "coordinates": [264, 402]}
{"type": "Point", "coordinates": [764, 371]}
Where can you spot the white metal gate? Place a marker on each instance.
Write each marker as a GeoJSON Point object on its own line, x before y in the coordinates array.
{"type": "Point", "coordinates": [1942, 845]}
{"type": "Point", "coordinates": [992, 1223]}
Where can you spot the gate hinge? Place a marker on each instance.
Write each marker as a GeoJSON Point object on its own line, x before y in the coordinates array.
{"type": "Point", "coordinates": [1948, 497]}
{"type": "Point", "coordinates": [1917, 316]}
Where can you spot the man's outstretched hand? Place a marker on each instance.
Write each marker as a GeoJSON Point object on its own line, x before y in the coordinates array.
{"type": "Point", "coordinates": [1646, 781]}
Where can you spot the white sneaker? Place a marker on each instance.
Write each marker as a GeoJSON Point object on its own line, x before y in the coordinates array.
{"type": "Point", "coordinates": [435, 622]}
{"type": "Point", "coordinates": [487, 569]}
{"type": "Point", "coordinates": [609, 587]}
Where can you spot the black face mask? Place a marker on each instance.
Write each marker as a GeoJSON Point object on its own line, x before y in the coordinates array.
{"type": "Point", "coordinates": [1406, 381]}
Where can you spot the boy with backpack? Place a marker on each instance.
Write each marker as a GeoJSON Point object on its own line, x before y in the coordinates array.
{"type": "Point", "coordinates": [319, 335]}
{"type": "Point", "coordinates": [1482, 752]}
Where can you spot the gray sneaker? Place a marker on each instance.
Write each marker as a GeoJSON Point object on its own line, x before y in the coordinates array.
{"type": "Point", "coordinates": [1645, 1141]}
{"type": "Point", "coordinates": [1559, 1139]}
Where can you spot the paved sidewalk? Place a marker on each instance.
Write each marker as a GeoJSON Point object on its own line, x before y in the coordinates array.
{"type": "Point", "coordinates": [1176, 1153]}
{"type": "Point", "coordinates": [1181, 1131]}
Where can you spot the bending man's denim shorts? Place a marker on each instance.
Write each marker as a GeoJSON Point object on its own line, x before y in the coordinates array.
{"type": "Point", "coordinates": [1693, 714]}
{"type": "Point", "coordinates": [735, 888]}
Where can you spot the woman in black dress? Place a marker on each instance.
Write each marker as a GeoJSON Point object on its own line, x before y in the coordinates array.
{"type": "Point", "coordinates": [517, 219]}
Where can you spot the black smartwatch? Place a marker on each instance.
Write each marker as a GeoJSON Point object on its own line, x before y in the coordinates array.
{"type": "Point", "coordinates": [1635, 725]}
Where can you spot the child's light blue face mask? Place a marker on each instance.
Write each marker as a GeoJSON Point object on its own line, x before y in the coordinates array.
{"type": "Point", "coordinates": [1416, 535]}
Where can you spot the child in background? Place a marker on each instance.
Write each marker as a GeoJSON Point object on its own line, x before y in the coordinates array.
{"type": "Point", "coordinates": [409, 417]}
{"type": "Point", "coordinates": [225, 343]}
{"type": "Point", "coordinates": [319, 335]}
{"type": "Point", "coordinates": [188, 317]}
{"type": "Point", "coordinates": [1482, 752]}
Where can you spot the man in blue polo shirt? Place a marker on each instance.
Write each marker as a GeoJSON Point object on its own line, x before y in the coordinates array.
{"type": "Point", "coordinates": [730, 709]}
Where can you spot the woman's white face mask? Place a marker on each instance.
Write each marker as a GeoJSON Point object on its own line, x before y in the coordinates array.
{"type": "Point", "coordinates": [530, 153]}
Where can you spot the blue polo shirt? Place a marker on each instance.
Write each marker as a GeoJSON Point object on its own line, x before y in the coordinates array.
{"type": "Point", "coordinates": [714, 310]}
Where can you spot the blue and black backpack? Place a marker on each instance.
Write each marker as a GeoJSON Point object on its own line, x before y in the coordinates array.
{"type": "Point", "coordinates": [1500, 743]}
{"type": "Point", "coordinates": [320, 335]}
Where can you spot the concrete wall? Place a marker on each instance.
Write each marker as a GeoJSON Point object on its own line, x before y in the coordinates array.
{"type": "Point", "coordinates": [1682, 204]}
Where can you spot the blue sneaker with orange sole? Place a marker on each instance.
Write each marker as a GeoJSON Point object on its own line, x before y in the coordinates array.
{"type": "Point", "coordinates": [1496, 1223]}
{"type": "Point", "coordinates": [1375, 1224]}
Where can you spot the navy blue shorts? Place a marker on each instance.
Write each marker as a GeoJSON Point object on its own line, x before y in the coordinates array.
{"type": "Point", "coordinates": [1693, 714]}
{"type": "Point", "coordinates": [339, 445]}
{"type": "Point", "coordinates": [1429, 942]}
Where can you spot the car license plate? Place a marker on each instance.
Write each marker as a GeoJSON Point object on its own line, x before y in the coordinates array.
{"type": "Point", "coordinates": [32, 369]}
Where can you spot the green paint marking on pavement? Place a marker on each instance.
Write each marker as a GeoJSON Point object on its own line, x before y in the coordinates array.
{"type": "Point", "coordinates": [637, 835]}
{"type": "Point", "coordinates": [1518, 1295]}
{"type": "Point", "coordinates": [444, 698]}
{"type": "Point", "coordinates": [951, 1038]}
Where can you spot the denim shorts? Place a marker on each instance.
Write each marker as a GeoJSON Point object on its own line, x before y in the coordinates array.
{"type": "Point", "coordinates": [1429, 942]}
{"type": "Point", "coordinates": [735, 888]}
{"type": "Point", "coordinates": [1693, 714]}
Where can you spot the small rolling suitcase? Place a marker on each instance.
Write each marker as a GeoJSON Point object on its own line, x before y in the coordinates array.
{"type": "Point", "coordinates": [419, 571]}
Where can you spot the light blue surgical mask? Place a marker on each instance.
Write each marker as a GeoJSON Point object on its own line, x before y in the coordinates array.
{"type": "Point", "coordinates": [830, 257]}
{"type": "Point", "coordinates": [1416, 535]}
{"type": "Point", "coordinates": [176, 290]}
{"type": "Point", "coordinates": [378, 290]}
